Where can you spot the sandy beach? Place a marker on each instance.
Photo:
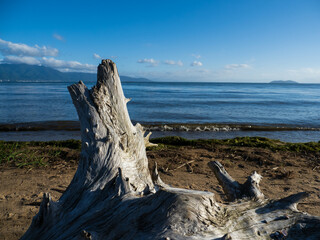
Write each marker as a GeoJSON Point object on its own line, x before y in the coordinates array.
{"type": "Point", "coordinates": [30, 169]}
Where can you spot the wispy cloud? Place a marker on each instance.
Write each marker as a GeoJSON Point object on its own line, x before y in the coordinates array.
{"type": "Point", "coordinates": [150, 61]}
{"type": "Point", "coordinates": [58, 37]}
{"type": "Point", "coordinates": [196, 63]}
{"type": "Point", "coordinates": [236, 66]}
{"type": "Point", "coordinates": [23, 59]}
{"type": "Point", "coordinates": [96, 56]}
{"type": "Point", "coordinates": [67, 66]}
{"type": "Point", "coordinates": [171, 62]}
{"type": "Point", "coordinates": [197, 56]}
{"type": "Point", "coordinates": [35, 55]}
{"type": "Point", "coordinates": [20, 49]}
{"type": "Point", "coordinates": [61, 65]}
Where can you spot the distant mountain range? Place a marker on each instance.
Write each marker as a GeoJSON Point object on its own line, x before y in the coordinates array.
{"type": "Point", "coordinates": [284, 81]}
{"type": "Point", "coordinates": [24, 72]}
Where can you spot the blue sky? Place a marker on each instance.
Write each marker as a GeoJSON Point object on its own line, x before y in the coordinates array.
{"type": "Point", "coordinates": [238, 41]}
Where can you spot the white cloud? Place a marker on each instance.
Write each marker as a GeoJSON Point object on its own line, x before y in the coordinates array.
{"type": "Point", "coordinates": [96, 56]}
{"type": "Point", "coordinates": [58, 37]}
{"type": "Point", "coordinates": [24, 59]}
{"type": "Point", "coordinates": [171, 62]}
{"type": "Point", "coordinates": [61, 65]}
{"type": "Point", "coordinates": [236, 66]}
{"type": "Point", "coordinates": [196, 63]}
{"type": "Point", "coordinates": [197, 56]}
{"type": "Point", "coordinates": [20, 49]}
{"type": "Point", "coordinates": [151, 61]}
{"type": "Point", "coordinates": [22, 53]}
{"type": "Point", "coordinates": [67, 66]}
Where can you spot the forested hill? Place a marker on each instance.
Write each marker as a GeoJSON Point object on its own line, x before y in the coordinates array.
{"type": "Point", "coordinates": [24, 72]}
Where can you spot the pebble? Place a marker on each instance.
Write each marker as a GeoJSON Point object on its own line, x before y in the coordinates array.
{"type": "Point", "coordinates": [9, 215]}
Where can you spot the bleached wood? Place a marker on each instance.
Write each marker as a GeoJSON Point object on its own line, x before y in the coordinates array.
{"type": "Point", "coordinates": [113, 195]}
{"type": "Point", "coordinates": [232, 188]}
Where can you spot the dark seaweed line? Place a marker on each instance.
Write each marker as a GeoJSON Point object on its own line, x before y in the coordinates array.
{"type": "Point", "coordinates": [192, 127]}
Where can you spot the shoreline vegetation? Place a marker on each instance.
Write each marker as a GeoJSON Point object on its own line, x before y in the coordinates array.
{"type": "Point", "coordinates": [42, 153]}
{"type": "Point", "coordinates": [28, 169]}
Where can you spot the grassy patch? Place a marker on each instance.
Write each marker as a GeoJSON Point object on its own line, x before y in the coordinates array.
{"type": "Point", "coordinates": [259, 142]}
{"type": "Point", "coordinates": [38, 154]}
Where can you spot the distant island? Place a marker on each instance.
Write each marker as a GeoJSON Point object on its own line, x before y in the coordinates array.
{"type": "Point", "coordinates": [30, 73]}
{"type": "Point", "coordinates": [284, 82]}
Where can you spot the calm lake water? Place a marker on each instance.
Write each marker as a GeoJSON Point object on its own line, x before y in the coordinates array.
{"type": "Point", "coordinates": [220, 106]}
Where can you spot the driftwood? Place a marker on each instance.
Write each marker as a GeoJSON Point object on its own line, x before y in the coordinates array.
{"type": "Point", "coordinates": [113, 195]}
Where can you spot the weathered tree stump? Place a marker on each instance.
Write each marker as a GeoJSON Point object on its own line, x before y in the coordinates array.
{"type": "Point", "coordinates": [113, 195]}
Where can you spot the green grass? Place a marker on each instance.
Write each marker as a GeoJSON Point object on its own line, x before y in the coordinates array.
{"type": "Point", "coordinates": [39, 154]}
{"type": "Point", "coordinates": [35, 154]}
{"type": "Point", "coordinates": [259, 142]}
